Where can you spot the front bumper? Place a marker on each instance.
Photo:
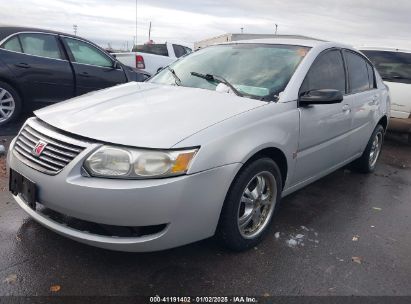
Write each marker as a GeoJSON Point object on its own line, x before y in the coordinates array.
{"type": "Point", "coordinates": [188, 205]}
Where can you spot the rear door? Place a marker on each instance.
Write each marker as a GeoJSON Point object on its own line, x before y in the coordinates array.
{"type": "Point", "coordinates": [38, 63]}
{"type": "Point", "coordinates": [366, 99]}
{"type": "Point", "coordinates": [93, 68]}
{"type": "Point", "coordinates": [324, 129]}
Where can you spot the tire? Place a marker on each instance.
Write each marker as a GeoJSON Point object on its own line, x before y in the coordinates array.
{"type": "Point", "coordinates": [10, 103]}
{"type": "Point", "coordinates": [236, 229]}
{"type": "Point", "coordinates": [368, 160]}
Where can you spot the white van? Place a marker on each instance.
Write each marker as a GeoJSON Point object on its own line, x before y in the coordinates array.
{"type": "Point", "coordinates": [395, 68]}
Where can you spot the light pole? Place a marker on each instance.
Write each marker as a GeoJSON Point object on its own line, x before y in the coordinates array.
{"type": "Point", "coordinates": [276, 27]}
{"type": "Point", "coordinates": [136, 25]}
{"type": "Point", "coordinates": [242, 30]}
{"type": "Point", "coordinates": [75, 27]}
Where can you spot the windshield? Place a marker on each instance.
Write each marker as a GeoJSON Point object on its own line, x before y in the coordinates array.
{"type": "Point", "coordinates": [259, 71]}
{"type": "Point", "coordinates": [393, 66]}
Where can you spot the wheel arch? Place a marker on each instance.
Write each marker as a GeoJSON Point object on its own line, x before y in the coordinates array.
{"type": "Point", "coordinates": [14, 86]}
{"type": "Point", "coordinates": [276, 155]}
{"type": "Point", "coordinates": [383, 122]}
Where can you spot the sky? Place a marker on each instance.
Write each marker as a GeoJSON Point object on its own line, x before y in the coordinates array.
{"type": "Point", "coordinates": [356, 22]}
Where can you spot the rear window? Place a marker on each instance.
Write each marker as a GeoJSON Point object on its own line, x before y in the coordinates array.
{"type": "Point", "coordinates": [393, 66]}
{"type": "Point", "coordinates": [156, 49]}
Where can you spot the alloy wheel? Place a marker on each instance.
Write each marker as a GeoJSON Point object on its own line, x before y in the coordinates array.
{"type": "Point", "coordinates": [375, 149]}
{"type": "Point", "coordinates": [7, 105]}
{"type": "Point", "coordinates": [257, 204]}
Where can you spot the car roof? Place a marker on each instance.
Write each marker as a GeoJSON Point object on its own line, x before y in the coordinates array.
{"type": "Point", "coordinates": [382, 49]}
{"type": "Point", "coordinates": [6, 31]}
{"type": "Point", "coordinates": [290, 41]}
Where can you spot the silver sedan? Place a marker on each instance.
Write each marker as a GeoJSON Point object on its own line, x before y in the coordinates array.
{"type": "Point", "coordinates": [208, 146]}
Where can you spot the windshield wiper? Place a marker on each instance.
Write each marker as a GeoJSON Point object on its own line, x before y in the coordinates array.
{"type": "Point", "coordinates": [219, 79]}
{"type": "Point", "coordinates": [176, 78]}
{"type": "Point", "coordinates": [270, 98]}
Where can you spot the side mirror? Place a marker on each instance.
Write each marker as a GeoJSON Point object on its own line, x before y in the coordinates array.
{"type": "Point", "coordinates": [116, 65]}
{"type": "Point", "coordinates": [321, 97]}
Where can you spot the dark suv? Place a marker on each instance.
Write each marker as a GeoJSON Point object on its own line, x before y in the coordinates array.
{"type": "Point", "coordinates": [39, 67]}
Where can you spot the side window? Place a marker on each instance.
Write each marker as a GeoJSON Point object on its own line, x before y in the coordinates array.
{"type": "Point", "coordinates": [179, 50]}
{"type": "Point", "coordinates": [42, 45]}
{"type": "Point", "coordinates": [327, 72]}
{"type": "Point", "coordinates": [87, 54]}
{"type": "Point", "coordinates": [357, 72]}
{"type": "Point", "coordinates": [371, 76]}
{"type": "Point", "coordinates": [12, 44]}
{"type": "Point", "coordinates": [188, 50]}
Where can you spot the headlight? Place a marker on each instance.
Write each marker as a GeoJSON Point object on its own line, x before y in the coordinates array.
{"type": "Point", "coordinates": [118, 162]}
{"type": "Point", "coordinates": [109, 161]}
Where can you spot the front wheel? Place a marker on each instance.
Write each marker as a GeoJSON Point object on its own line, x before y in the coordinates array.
{"type": "Point", "coordinates": [250, 205]}
{"type": "Point", "coordinates": [368, 161]}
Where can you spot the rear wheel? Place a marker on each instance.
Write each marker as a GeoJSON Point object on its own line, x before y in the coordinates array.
{"type": "Point", "coordinates": [10, 103]}
{"type": "Point", "coordinates": [250, 205]}
{"type": "Point", "coordinates": [368, 161]}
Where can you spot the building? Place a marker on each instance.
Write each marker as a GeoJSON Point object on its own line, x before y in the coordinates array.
{"type": "Point", "coordinates": [229, 37]}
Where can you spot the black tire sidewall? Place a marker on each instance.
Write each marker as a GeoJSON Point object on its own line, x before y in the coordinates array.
{"type": "Point", "coordinates": [17, 102]}
{"type": "Point", "coordinates": [228, 231]}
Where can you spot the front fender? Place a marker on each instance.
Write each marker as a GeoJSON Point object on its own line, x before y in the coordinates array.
{"type": "Point", "coordinates": [237, 139]}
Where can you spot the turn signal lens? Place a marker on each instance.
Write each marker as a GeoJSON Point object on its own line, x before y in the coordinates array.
{"type": "Point", "coordinates": [182, 162]}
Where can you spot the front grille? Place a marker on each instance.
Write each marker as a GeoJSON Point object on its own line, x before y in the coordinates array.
{"type": "Point", "coordinates": [56, 155]}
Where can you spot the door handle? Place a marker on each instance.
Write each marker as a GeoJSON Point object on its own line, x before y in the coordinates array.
{"type": "Point", "coordinates": [346, 108]}
{"type": "Point", "coordinates": [84, 74]}
{"type": "Point", "coordinates": [23, 65]}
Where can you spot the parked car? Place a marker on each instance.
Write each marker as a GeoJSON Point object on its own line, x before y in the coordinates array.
{"type": "Point", "coordinates": [204, 147]}
{"type": "Point", "coordinates": [395, 69]}
{"type": "Point", "coordinates": [42, 67]}
{"type": "Point", "coordinates": [153, 57]}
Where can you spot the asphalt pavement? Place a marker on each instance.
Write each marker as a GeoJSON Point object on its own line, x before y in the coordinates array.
{"type": "Point", "coordinates": [346, 234]}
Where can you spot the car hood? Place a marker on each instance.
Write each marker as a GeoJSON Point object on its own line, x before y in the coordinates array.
{"type": "Point", "coordinates": [144, 114]}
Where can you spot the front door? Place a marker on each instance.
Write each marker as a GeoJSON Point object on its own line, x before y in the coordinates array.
{"type": "Point", "coordinates": [93, 69]}
{"type": "Point", "coordinates": [324, 129]}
